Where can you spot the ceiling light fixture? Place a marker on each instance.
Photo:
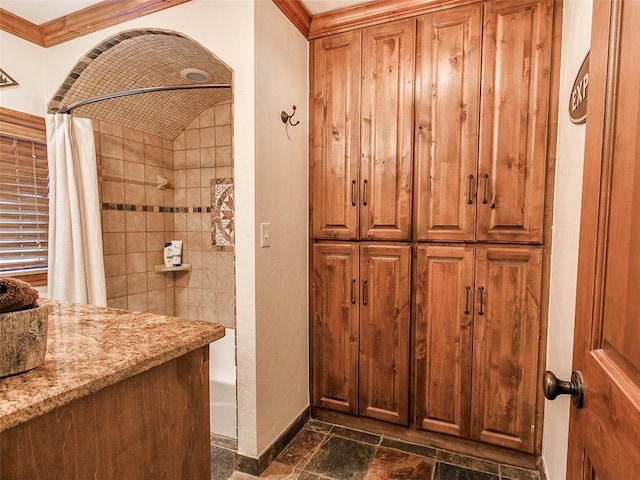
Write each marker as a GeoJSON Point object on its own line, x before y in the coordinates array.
{"type": "Point", "coordinates": [195, 75]}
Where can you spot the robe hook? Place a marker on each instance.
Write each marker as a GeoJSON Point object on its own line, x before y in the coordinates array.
{"type": "Point", "coordinates": [287, 118]}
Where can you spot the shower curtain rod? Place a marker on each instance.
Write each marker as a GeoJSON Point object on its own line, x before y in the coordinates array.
{"type": "Point", "coordinates": [136, 91]}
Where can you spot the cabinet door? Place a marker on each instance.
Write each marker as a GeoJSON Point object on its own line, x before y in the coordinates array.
{"type": "Point", "coordinates": [387, 100]}
{"type": "Point", "coordinates": [334, 310]}
{"type": "Point", "coordinates": [384, 332]}
{"type": "Point", "coordinates": [335, 136]}
{"type": "Point", "coordinates": [513, 139]}
{"type": "Point", "coordinates": [443, 316]}
{"type": "Point", "coordinates": [446, 136]}
{"type": "Point", "coordinates": [506, 330]}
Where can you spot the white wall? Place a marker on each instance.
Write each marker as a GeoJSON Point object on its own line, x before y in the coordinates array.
{"type": "Point", "coordinates": [272, 367]}
{"type": "Point", "coordinates": [281, 66]}
{"type": "Point", "coordinates": [25, 63]}
{"type": "Point", "coordinates": [576, 38]}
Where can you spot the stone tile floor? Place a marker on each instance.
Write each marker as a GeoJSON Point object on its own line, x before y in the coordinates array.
{"type": "Point", "coordinates": [322, 451]}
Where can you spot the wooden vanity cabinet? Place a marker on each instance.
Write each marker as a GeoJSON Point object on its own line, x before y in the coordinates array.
{"type": "Point", "coordinates": [360, 307]}
{"type": "Point", "coordinates": [361, 140]}
{"type": "Point", "coordinates": [481, 138]}
{"type": "Point", "coordinates": [477, 320]}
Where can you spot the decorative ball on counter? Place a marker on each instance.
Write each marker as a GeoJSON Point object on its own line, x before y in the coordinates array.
{"type": "Point", "coordinates": [16, 295]}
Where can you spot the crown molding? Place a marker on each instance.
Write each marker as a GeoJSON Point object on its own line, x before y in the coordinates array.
{"type": "Point", "coordinates": [20, 27]}
{"type": "Point", "coordinates": [101, 15]}
{"type": "Point", "coordinates": [375, 13]}
{"type": "Point", "coordinates": [297, 14]}
{"type": "Point", "coordinates": [88, 20]}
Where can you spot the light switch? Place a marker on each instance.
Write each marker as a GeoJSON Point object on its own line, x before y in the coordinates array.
{"type": "Point", "coordinates": [265, 235]}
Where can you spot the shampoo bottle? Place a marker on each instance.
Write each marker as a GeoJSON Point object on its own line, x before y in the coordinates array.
{"type": "Point", "coordinates": [168, 255]}
{"type": "Point", "coordinates": [176, 246]}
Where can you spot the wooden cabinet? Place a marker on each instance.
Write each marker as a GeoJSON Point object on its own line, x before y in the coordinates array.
{"type": "Point", "coordinates": [477, 319]}
{"type": "Point", "coordinates": [152, 425]}
{"type": "Point", "coordinates": [335, 136]}
{"type": "Point", "coordinates": [387, 104]}
{"type": "Point", "coordinates": [443, 323]}
{"type": "Point", "coordinates": [516, 69]}
{"type": "Point", "coordinates": [433, 133]}
{"type": "Point", "coordinates": [446, 137]}
{"type": "Point", "coordinates": [483, 185]}
{"type": "Point", "coordinates": [335, 326]}
{"type": "Point", "coordinates": [384, 332]}
{"type": "Point", "coordinates": [505, 340]}
{"type": "Point", "coordinates": [361, 147]}
{"type": "Point", "coordinates": [360, 306]}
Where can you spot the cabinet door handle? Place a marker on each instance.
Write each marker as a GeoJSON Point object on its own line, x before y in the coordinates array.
{"type": "Point", "coordinates": [364, 193]}
{"type": "Point", "coordinates": [481, 290]}
{"type": "Point", "coordinates": [486, 181]}
{"type": "Point", "coordinates": [365, 293]}
{"type": "Point", "coordinates": [353, 291]}
{"type": "Point", "coordinates": [353, 193]}
{"type": "Point", "coordinates": [470, 200]}
{"type": "Point", "coordinates": [466, 303]}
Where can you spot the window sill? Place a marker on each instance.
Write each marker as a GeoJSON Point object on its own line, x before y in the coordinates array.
{"type": "Point", "coordinates": [35, 279]}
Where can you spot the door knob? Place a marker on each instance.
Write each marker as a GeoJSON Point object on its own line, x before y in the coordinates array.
{"type": "Point", "coordinates": [553, 387]}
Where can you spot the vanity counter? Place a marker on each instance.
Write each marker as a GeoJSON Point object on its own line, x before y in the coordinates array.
{"type": "Point", "coordinates": [111, 376]}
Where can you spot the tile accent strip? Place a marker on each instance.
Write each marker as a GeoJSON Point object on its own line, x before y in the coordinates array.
{"type": "Point", "coordinates": [153, 208]}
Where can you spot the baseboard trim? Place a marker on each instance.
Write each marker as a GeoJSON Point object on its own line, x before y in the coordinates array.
{"type": "Point", "coordinates": [255, 466]}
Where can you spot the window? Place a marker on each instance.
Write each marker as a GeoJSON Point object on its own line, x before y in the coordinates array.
{"type": "Point", "coordinates": [24, 202]}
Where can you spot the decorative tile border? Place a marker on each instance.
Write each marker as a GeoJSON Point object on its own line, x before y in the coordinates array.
{"type": "Point", "coordinates": [222, 218]}
{"type": "Point", "coordinates": [127, 207]}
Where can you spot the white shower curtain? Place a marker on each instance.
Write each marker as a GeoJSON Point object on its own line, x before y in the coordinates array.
{"type": "Point", "coordinates": [76, 267]}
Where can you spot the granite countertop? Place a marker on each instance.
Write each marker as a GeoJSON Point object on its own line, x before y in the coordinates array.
{"type": "Point", "coordinates": [90, 348]}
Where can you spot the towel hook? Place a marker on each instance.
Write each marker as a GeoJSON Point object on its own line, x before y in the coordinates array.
{"type": "Point", "coordinates": [287, 118]}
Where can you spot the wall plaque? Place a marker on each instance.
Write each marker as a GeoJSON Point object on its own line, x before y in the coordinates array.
{"type": "Point", "coordinates": [6, 80]}
{"type": "Point", "coordinates": [578, 97]}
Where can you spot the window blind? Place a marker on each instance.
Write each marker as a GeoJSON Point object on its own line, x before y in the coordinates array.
{"type": "Point", "coordinates": [24, 205]}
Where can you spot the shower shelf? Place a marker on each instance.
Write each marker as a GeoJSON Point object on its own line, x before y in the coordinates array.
{"type": "Point", "coordinates": [185, 267]}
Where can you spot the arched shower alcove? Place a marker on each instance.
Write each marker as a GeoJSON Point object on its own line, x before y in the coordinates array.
{"type": "Point", "coordinates": [184, 138]}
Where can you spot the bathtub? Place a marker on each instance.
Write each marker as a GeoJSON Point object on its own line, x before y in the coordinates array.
{"type": "Point", "coordinates": [222, 385]}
